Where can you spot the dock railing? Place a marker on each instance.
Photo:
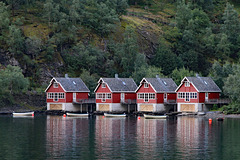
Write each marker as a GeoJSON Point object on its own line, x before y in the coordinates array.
{"type": "Point", "coordinates": [128, 101]}
{"type": "Point", "coordinates": [218, 101]}
{"type": "Point", "coordinates": [85, 101]}
{"type": "Point", "coordinates": [170, 101]}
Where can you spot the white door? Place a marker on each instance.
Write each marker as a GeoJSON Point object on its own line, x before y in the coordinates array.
{"type": "Point", "coordinates": [122, 97]}
{"type": "Point", "coordinates": [206, 96]}
{"type": "Point", "coordinates": [74, 96]}
{"type": "Point", "coordinates": [165, 97]}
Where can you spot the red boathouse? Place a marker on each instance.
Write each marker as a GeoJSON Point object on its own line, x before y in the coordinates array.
{"type": "Point", "coordinates": [195, 93]}
{"type": "Point", "coordinates": [63, 92]}
{"type": "Point", "coordinates": [115, 94]}
{"type": "Point", "coordinates": [156, 95]}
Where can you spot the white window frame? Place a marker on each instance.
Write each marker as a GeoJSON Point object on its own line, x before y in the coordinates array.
{"type": "Point", "coordinates": [140, 95]}
{"type": "Point", "coordinates": [103, 85]}
{"type": "Point", "coordinates": [55, 85]}
{"type": "Point", "coordinates": [146, 97]}
{"type": "Point", "coordinates": [109, 96]}
{"type": "Point", "coordinates": [187, 84]}
{"type": "Point", "coordinates": [152, 96]}
{"type": "Point", "coordinates": [146, 85]}
{"type": "Point", "coordinates": [187, 97]}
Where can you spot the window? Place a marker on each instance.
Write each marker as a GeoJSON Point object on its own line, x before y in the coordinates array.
{"type": "Point", "coordinates": [151, 95]}
{"type": "Point", "coordinates": [187, 84]}
{"type": "Point", "coordinates": [181, 95]}
{"type": "Point", "coordinates": [109, 96]}
{"type": "Point", "coordinates": [103, 85]}
{"type": "Point", "coordinates": [140, 95]}
{"type": "Point", "coordinates": [56, 97]}
{"type": "Point", "coordinates": [104, 96]}
{"type": "Point", "coordinates": [146, 97]}
{"type": "Point", "coordinates": [145, 85]}
{"type": "Point", "coordinates": [187, 97]}
{"type": "Point", "coordinates": [55, 85]}
{"type": "Point", "coordinates": [61, 96]}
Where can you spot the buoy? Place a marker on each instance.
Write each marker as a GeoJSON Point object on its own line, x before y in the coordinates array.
{"type": "Point", "coordinates": [64, 115]}
{"type": "Point", "coordinates": [139, 117]}
{"type": "Point", "coordinates": [210, 121]}
{"type": "Point", "coordinates": [33, 115]}
{"type": "Point", "coordinates": [102, 116]}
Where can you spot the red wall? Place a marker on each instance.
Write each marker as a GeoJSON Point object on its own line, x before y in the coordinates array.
{"type": "Point", "coordinates": [51, 89]}
{"type": "Point", "coordinates": [160, 97]}
{"type": "Point", "coordinates": [187, 89]}
{"type": "Point", "coordinates": [171, 96]}
{"type": "Point", "coordinates": [201, 97]}
{"type": "Point", "coordinates": [130, 96]}
{"type": "Point", "coordinates": [116, 97]}
{"type": "Point", "coordinates": [145, 90]}
{"type": "Point", "coordinates": [213, 95]}
{"type": "Point", "coordinates": [103, 90]}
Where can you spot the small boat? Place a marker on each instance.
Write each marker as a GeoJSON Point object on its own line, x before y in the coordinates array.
{"type": "Point", "coordinates": [114, 115]}
{"type": "Point", "coordinates": [77, 114]}
{"type": "Point", "coordinates": [155, 116]}
{"type": "Point", "coordinates": [201, 113]}
{"type": "Point", "coordinates": [23, 114]}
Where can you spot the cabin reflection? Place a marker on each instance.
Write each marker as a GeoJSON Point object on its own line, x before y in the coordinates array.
{"type": "Point", "coordinates": [192, 134]}
{"type": "Point", "coordinates": [64, 133]}
{"type": "Point", "coordinates": [111, 135]}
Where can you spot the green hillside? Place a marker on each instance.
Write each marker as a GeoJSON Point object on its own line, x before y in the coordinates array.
{"type": "Point", "coordinates": [134, 38]}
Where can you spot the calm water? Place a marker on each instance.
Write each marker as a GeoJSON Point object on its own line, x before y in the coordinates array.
{"type": "Point", "coordinates": [56, 137]}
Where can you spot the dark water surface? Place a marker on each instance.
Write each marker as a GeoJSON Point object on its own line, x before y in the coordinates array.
{"type": "Point", "coordinates": [56, 137]}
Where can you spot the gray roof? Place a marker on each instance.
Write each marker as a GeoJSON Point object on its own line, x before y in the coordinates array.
{"type": "Point", "coordinates": [120, 84]}
{"type": "Point", "coordinates": [162, 84]}
{"type": "Point", "coordinates": [204, 84]}
{"type": "Point", "coordinates": [73, 84]}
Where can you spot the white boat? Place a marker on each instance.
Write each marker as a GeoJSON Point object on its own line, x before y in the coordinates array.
{"type": "Point", "coordinates": [23, 114]}
{"type": "Point", "coordinates": [77, 114]}
{"type": "Point", "coordinates": [114, 115]}
{"type": "Point", "coordinates": [155, 116]}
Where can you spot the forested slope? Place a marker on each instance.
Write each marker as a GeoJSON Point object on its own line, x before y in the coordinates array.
{"type": "Point", "coordinates": [134, 38]}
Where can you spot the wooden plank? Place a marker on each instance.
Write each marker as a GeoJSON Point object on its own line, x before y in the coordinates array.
{"type": "Point", "coordinates": [55, 106]}
{"type": "Point", "coordinates": [104, 107]}
{"type": "Point", "coordinates": [187, 108]}
{"type": "Point", "coordinates": [146, 107]}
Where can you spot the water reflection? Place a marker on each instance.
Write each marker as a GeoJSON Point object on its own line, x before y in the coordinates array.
{"type": "Point", "coordinates": [132, 138]}
{"type": "Point", "coordinates": [67, 137]}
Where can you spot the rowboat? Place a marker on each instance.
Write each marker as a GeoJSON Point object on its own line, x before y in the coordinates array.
{"type": "Point", "coordinates": [77, 114]}
{"type": "Point", "coordinates": [155, 116]}
{"type": "Point", "coordinates": [114, 115]}
{"type": "Point", "coordinates": [23, 114]}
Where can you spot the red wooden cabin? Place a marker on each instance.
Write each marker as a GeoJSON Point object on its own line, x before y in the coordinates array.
{"type": "Point", "coordinates": [195, 93]}
{"type": "Point", "coordinates": [156, 94]}
{"type": "Point", "coordinates": [63, 92]}
{"type": "Point", "coordinates": [112, 94]}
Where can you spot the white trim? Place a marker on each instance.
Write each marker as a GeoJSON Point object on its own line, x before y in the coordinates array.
{"type": "Point", "coordinates": [101, 79]}
{"type": "Point", "coordinates": [182, 84]}
{"type": "Point", "coordinates": [142, 84]}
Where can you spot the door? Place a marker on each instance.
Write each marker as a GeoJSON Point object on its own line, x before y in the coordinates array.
{"type": "Point", "coordinates": [206, 96]}
{"type": "Point", "coordinates": [122, 97]}
{"type": "Point", "coordinates": [165, 97]}
{"type": "Point", "coordinates": [74, 97]}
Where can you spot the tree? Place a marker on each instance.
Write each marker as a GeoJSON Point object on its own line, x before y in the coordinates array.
{"type": "Point", "coordinates": [90, 80]}
{"type": "Point", "coordinates": [15, 40]}
{"type": "Point", "coordinates": [219, 73]}
{"type": "Point", "coordinates": [178, 74]}
{"type": "Point", "coordinates": [231, 28]}
{"type": "Point", "coordinates": [12, 80]}
{"type": "Point", "coordinates": [166, 59]}
{"type": "Point", "coordinates": [232, 87]}
{"type": "Point", "coordinates": [4, 21]}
